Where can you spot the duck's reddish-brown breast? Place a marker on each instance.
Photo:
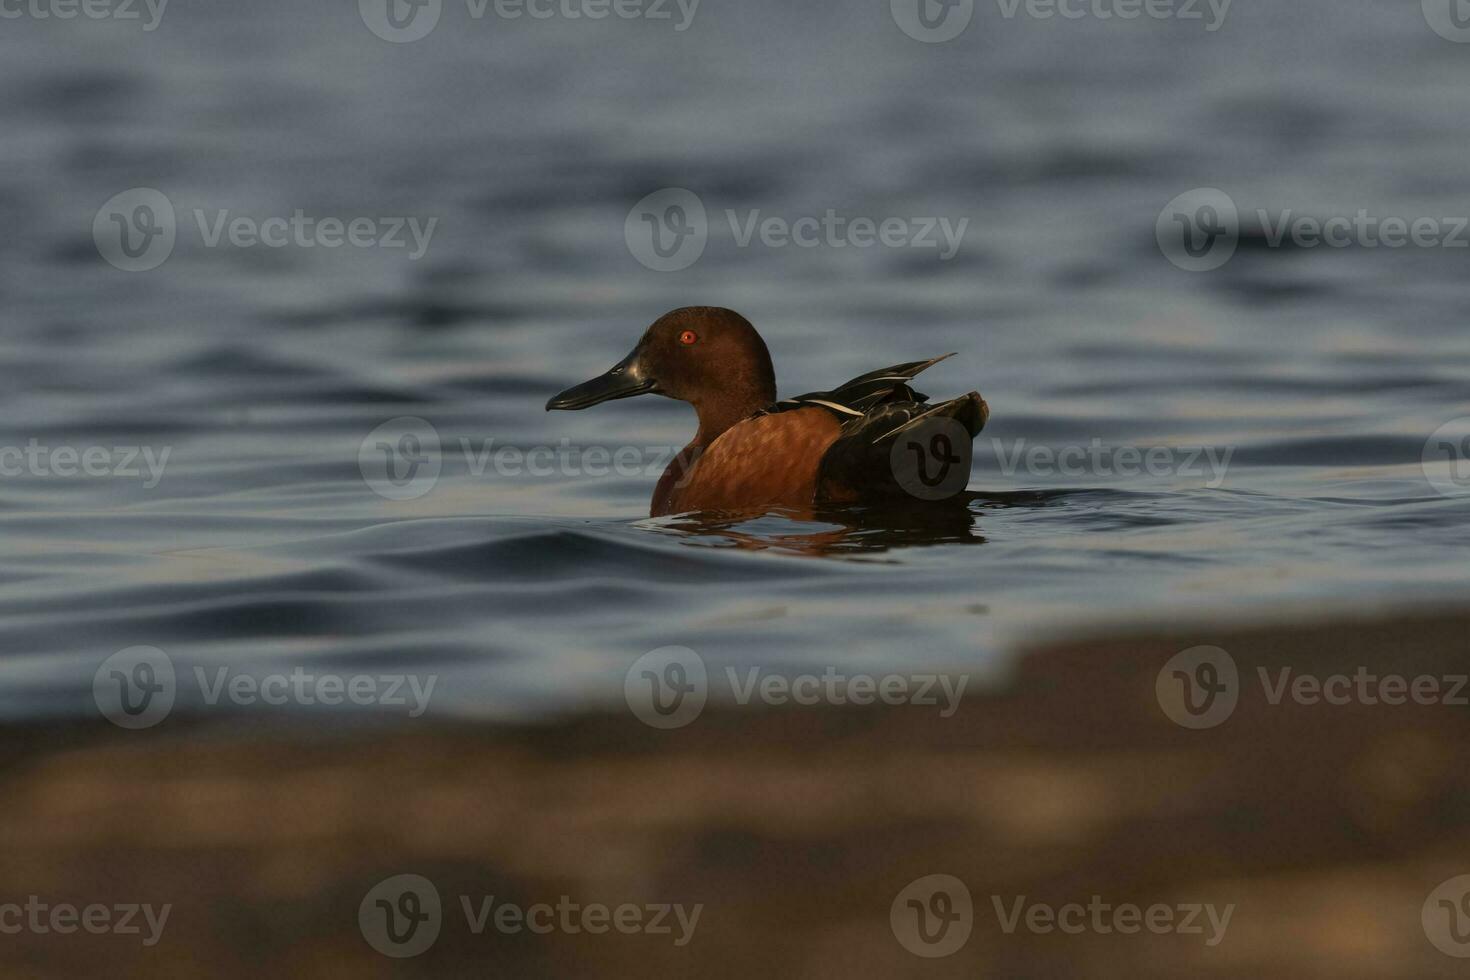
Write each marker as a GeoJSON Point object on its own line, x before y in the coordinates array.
{"type": "Point", "coordinates": [765, 461]}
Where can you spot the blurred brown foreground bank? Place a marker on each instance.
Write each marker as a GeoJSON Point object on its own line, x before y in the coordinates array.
{"type": "Point", "coordinates": [1060, 826]}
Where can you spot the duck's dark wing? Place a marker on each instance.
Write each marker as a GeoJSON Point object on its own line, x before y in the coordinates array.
{"type": "Point", "coordinates": [862, 394]}
{"type": "Point", "coordinates": [904, 450]}
{"type": "Point", "coordinates": [879, 410]}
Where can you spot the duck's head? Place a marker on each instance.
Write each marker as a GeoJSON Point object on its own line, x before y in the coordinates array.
{"type": "Point", "coordinates": [704, 355]}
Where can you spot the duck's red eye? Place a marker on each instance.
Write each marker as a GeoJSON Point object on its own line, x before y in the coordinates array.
{"type": "Point", "coordinates": [688, 337]}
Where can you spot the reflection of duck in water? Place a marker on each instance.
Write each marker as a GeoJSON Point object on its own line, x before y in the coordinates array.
{"type": "Point", "coordinates": [873, 439]}
{"type": "Point", "coordinates": [838, 531]}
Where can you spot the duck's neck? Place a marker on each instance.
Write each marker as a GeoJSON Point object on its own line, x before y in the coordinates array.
{"type": "Point", "coordinates": [716, 415]}
{"type": "Point", "coordinates": [714, 420]}
{"type": "Point", "coordinates": [720, 410]}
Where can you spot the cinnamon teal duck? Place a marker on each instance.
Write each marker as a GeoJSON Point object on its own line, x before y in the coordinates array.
{"type": "Point", "coordinates": [871, 440]}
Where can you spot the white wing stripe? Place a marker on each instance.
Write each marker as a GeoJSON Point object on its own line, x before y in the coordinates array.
{"type": "Point", "coordinates": [832, 405]}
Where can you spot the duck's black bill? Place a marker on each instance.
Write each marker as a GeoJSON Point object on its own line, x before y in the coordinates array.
{"type": "Point", "coordinates": [625, 380]}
